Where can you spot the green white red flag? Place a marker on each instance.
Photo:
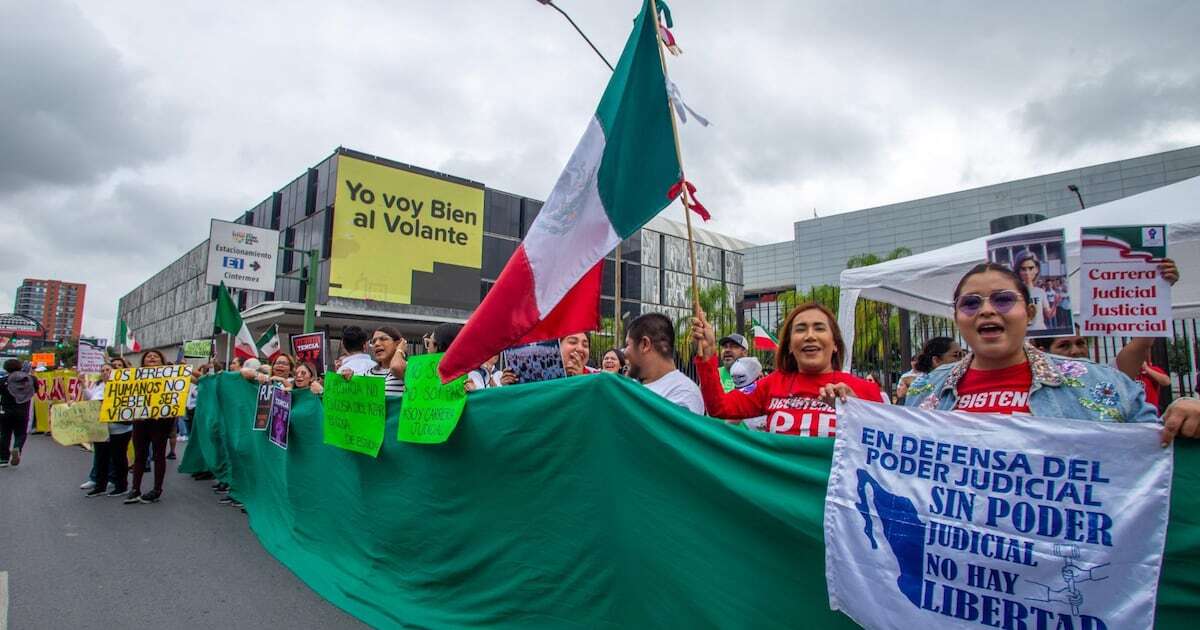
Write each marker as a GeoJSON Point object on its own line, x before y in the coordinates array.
{"type": "Point", "coordinates": [228, 319]}
{"type": "Point", "coordinates": [617, 179]}
{"type": "Point", "coordinates": [763, 340]}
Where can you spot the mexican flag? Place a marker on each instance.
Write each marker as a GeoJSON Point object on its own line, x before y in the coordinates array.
{"type": "Point", "coordinates": [229, 320]}
{"type": "Point", "coordinates": [763, 340]}
{"type": "Point", "coordinates": [268, 344]}
{"type": "Point", "coordinates": [616, 180]}
{"type": "Point", "coordinates": [125, 338]}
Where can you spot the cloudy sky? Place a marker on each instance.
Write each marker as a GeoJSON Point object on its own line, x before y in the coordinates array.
{"type": "Point", "coordinates": [125, 125]}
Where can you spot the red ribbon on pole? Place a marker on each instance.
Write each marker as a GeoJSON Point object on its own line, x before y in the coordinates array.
{"type": "Point", "coordinates": [690, 200]}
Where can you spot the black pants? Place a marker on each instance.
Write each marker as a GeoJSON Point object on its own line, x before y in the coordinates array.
{"type": "Point", "coordinates": [112, 461]}
{"type": "Point", "coordinates": [14, 423]}
{"type": "Point", "coordinates": [149, 434]}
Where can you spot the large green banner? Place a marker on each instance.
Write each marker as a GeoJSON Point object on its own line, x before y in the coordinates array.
{"type": "Point", "coordinates": [582, 502]}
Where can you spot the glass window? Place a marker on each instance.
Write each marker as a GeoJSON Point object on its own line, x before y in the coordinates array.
{"type": "Point", "coordinates": [496, 252]}
{"type": "Point", "coordinates": [502, 213]}
{"type": "Point", "coordinates": [651, 248]}
{"type": "Point", "coordinates": [529, 211]}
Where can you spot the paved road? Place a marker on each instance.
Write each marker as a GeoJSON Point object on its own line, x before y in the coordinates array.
{"type": "Point", "coordinates": [185, 562]}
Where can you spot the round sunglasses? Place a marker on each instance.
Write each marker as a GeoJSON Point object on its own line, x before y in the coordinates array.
{"type": "Point", "coordinates": [1002, 301]}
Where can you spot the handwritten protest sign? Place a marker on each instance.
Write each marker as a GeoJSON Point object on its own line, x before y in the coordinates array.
{"type": "Point", "coordinates": [77, 423]}
{"type": "Point", "coordinates": [198, 348]}
{"type": "Point", "coordinates": [146, 393]}
{"type": "Point", "coordinates": [262, 411]}
{"type": "Point", "coordinates": [1124, 295]}
{"type": "Point", "coordinates": [310, 348]}
{"type": "Point", "coordinates": [354, 413]}
{"type": "Point", "coordinates": [953, 520]}
{"type": "Point", "coordinates": [89, 359]}
{"type": "Point", "coordinates": [281, 413]}
{"type": "Point", "coordinates": [54, 386]}
{"type": "Point", "coordinates": [431, 410]}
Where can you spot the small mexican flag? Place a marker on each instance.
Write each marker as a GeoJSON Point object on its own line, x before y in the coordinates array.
{"type": "Point", "coordinates": [125, 338]}
{"type": "Point", "coordinates": [228, 319]}
{"type": "Point", "coordinates": [763, 340]}
{"type": "Point", "coordinates": [268, 344]}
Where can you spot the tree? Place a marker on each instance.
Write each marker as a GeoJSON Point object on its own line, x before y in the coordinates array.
{"type": "Point", "coordinates": [875, 325]}
{"type": "Point", "coordinates": [714, 301]}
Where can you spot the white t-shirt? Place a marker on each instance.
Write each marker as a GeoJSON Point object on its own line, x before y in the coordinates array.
{"type": "Point", "coordinates": [360, 364]}
{"type": "Point", "coordinates": [1038, 296]}
{"type": "Point", "coordinates": [676, 387]}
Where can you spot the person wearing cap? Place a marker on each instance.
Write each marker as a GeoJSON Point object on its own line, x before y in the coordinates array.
{"type": "Point", "coordinates": [745, 373]}
{"type": "Point", "coordinates": [733, 347]}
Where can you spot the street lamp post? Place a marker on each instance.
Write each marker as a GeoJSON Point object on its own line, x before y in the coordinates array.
{"type": "Point", "coordinates": [310, 289]}
{"type": "Point", "coordinates": [1075, 189]}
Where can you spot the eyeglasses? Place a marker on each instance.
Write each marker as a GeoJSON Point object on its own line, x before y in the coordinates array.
{"type": "Point", "coordinates": [1002, 301]}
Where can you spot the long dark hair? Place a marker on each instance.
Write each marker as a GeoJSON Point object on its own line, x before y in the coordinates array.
{"type": "Point", "coordinates": [1000, 269]}
{"type": "Point", "coordinates": [785, 362]}
{"type": "Point", "coordinates": [935, 347]}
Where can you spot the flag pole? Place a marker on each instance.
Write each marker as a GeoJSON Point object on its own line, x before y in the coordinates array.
{"type": "Point", "coordinates": [683, 195]}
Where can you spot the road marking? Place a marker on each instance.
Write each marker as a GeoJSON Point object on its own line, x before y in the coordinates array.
{"type": "Point", "coordinates": [3, 600]}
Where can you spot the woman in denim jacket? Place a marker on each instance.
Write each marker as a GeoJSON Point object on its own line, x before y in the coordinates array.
{"type": "Point", "coordinates": [992, 311]}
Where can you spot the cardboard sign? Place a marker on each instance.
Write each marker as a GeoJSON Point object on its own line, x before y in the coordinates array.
{"type": "Point", "coordinates": [534, 362]}
{"type": "Point", "coordinates": [281, 413]}
{"type": "Point", "coordinates": [936, 519]}
{"type": "Point", "coordinates": [431, 410]}
{"type": "Point", "coordinates": [146, 393]}
{"type": "Point", "coordinates": [1124, 295]}
{"type": "Point", "coordinates": [198, 348]}
{"type": "Point", "coordinates": [355, 413]}
{"type": "Point", "coordinates": [54, 386]}
{"type": "Point", "coordinates": [77, 423]}
{"type": "Point", "coordinates": [310, 348]}
{"type": "Point", "coordinates": [89, 359]}
{"type": "Point", "coordinates": [1040, 260]}
{"type": "Point", "coordinates": [262, 411]}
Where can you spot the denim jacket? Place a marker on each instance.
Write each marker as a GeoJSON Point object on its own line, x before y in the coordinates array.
{"type": "Point", "coordinates": [1062, 388]}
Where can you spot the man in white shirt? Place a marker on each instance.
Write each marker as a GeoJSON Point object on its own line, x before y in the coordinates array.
{"type": "Point", "coordinates": [354, 341]}
{"type": "Point", "coordinates": [650, 352]}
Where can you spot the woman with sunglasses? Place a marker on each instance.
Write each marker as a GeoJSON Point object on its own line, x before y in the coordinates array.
{"type": "Point", "coordinates": [1004, 374]}
{"type": "Point", "coordinates": [798, 398]}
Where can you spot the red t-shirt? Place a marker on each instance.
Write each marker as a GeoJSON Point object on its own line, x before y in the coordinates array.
{"type": "Point", "coordinates": [995, 391]}
{"type": "Point", "coordinates": [789, 400]}
{"type": "Point", "coordinates": [1150, 386]}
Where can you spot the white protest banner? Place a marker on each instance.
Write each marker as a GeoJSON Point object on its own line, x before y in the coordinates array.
{"type": "Point", "coordinates": [242, 256]}
{"type": "Point", "coordinates": [1124, 295]}
{"type": "Point", "coordinates": [951, 520]}
{"type": "Point", "coordinates": [89, 360]}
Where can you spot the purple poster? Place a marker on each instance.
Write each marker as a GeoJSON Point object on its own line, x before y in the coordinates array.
{"type": "Point", "coordinates": [280, 417]}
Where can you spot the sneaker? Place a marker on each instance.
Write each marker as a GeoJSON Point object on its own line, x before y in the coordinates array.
{"type": "Point", "coordinates": [171, 455]}
{"type": "Point", "coordinates": [87, 485]}
{"type": "Point", "coordinates": [4, 463]}
{"type": "Point", "coordinates": [94, 492]}
{"type": "Point", "coordinates": [133, 497]}
{"type": "Point", "coordinates": [222, 489]}
{"type": "Point", "coordinates": [15, 458]}
{"type": "Point", "coordinates": [115, 492]}
{"type": "Point", "coordinates": [225, 500]}
{"type": "Point", "coordinates": [151, 497]}
{"type": "Point", "coordinates": [237, 504]}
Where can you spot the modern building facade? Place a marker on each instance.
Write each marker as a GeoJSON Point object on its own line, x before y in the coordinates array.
{"type": "Point", "coordinates": [57, 305]}
{"type": "Point", "coordinates": [820, 247]}
{"type": "Point", "coordinates": [317, 211]}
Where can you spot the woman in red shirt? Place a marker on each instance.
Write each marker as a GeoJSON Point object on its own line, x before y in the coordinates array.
{"type": "Point", "coordinates": [798, 397]}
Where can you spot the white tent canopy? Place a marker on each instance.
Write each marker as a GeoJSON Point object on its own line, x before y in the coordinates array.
{"type": "Point", "coordinates": [925, 282]}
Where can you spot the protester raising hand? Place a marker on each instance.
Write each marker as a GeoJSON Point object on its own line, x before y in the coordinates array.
{"type": "Point", "coordinates": [703, 335]}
